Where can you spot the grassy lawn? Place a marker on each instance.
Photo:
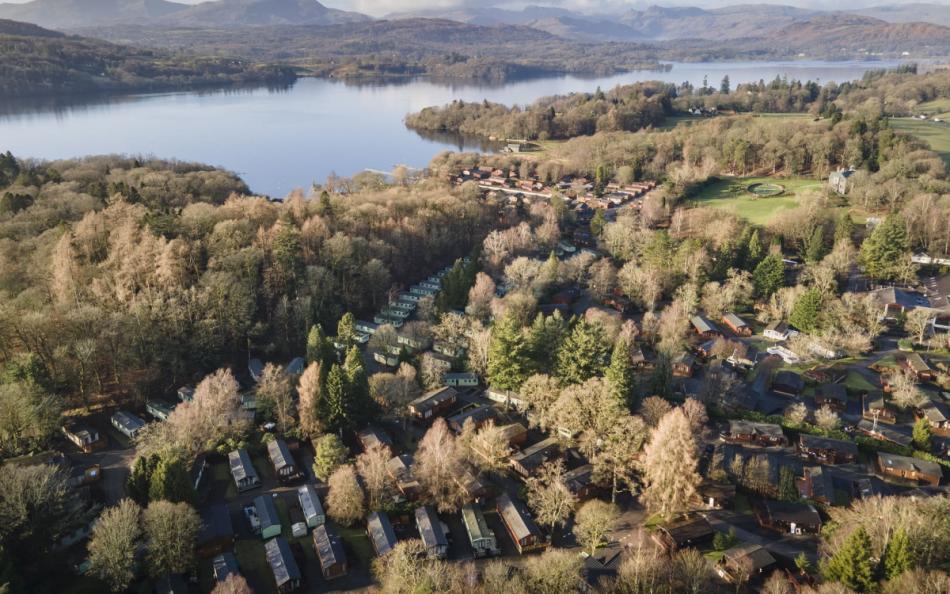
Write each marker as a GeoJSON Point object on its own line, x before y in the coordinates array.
{"type": "Point", "coordinates": [937, 108]}
{"type": "Point", "coordinates": [253, 561]}
{"type": "Point", "coordinates": [937, 135]}
{"type": "Point", "coordinates": [729, 193]}
{"type": "Point", "coordinates": [357, 541]}
{"type": "Point", "coordinates": [855, 382]}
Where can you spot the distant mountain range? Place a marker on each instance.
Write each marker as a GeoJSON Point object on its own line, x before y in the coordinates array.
{"type": "Point", "coordinates": [74, 14]}
{"type": "Point", "coordinates": [658, 23]}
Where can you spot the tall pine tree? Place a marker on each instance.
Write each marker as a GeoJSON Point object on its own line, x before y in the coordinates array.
{"type": "Point", "coordinates": [769, 275]}
{"type": "Point", "coordinates": [508, 362]}
{"type": "Point", "coordinates": [883, 252]}
{"type": "Point", "coordinates": [335, 399]}
{"type": "Point", "coordinates": [898, 556]}
{"type": "Point", "coordinates": [852, 564]}
{"type": "Point", "coordinates": [544, 339]}
{"type": "Point", "coordinates": [583, 354]}
{"type": "Point", "coordinates": [359, 402]}
{"type": "Point", "coordinates": [620, 376]}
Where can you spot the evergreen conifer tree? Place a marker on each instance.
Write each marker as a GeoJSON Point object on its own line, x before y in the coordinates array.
{"type": "Point", "coordinates": [852, 564]}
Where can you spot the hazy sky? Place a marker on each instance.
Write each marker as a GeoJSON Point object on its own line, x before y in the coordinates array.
{"type": "Point", "coordinates": [384, 7]}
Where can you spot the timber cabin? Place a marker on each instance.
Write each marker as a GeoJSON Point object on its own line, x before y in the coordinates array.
{"type": "Point", "coordinates": [826, 449]}
{"type": "Point", "coordinates": [329, 549]}
{"type": "Point", "coordinates": [242, 471]}
{"type": "Point", "coordinates": [521, 528]}
{"type": "Point", "coordinates": [282, 460]}
{"type": "Point", "coordinates": [380, 532]}
{"type": "Point", "coordinates": [287, 575]}
{"type": "Point", "coordinates": [433, 403]}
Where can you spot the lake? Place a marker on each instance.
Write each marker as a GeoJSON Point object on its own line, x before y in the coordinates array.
{"type": "Point", "coordinates": [281, 139]}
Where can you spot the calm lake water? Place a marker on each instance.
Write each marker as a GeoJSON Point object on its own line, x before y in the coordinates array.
{"type": "Point", "coordinates": [281, 139]}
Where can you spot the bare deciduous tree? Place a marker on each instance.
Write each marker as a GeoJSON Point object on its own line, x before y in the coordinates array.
{"type": "Point", "coordinates": [548, 495]}
{"type": "Point", "coordinates": [345, 500]}
{"type": "Point", "coordinates": [669, 465]}
{"type": "Point", "coordinates": [234, 584]}
{"type": "Point", "coordinates": [171, 532]}
{"type": "Point", "coordinates": [371, 466]}
{"type": "Point", "coordinates": [593, 522]}
{"type": "Point", "coordinates": [826, 418]}
{"type": "Point", "coordinates": [480, 297]}
{"type": "Point", "coordinates": [654, 408]}
{"type": "Point", "coordinates": [438, 461]}
{"type": "Point", "coordinates": [309, 392]}
{"type": "Point", "coordinates": [904, 390]}
{"type": "Point", "coordinates": [114, 543]}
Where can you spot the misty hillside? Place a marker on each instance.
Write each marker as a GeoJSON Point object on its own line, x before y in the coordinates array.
{"type": "Point", "coordinates": [76, 14]}
{"type": "Point", "coordinates": [8, 27]}
{"type": "Point", "coordinates": [938, 14]}
{"type": "Point", "coordinates": [66, 14]}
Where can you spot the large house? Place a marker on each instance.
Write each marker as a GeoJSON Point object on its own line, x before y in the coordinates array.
{"type": "Point", "coordinates": [287, 575]}
{"type": "Point", "coordinates": [913, 469]}
{"type": "Point", "coordinates": [521, 528]}
{"type": "Point", "coordinates": [840, 181]}
{"type": "Point", "coordinates": [242, 471]}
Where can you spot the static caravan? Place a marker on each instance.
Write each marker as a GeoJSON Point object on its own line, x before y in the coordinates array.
{"type": "Point", "coordinates": [522, 529]}
{"type": "Point", "coordinates": [480, 536]}
{"type": "Point", "coordinates": [159, 409]}
{"type": "Point", "coordinates": [127, 424]}
{"type": "Point", "coordinates": [267, 513]}
{"type": "Point", "coordinates": [460, 380]}
{"type": "Point", "coordinates": [83, 437]}
{"type": "Point", "coordinates": [311, 506]}
{"type": "Point", "coordinates": [432, 532]}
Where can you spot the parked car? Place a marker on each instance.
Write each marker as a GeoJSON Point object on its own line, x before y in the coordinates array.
{"type": "Point", "coordinates": [250, 512]}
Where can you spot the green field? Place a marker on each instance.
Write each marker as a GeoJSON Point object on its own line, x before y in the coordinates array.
{"type": "Point", "coordinates": [731, 193]}
{"type": "Point", "coordinates": [937, 108]}
{"type": "Point", "coordinates": [936, 134]}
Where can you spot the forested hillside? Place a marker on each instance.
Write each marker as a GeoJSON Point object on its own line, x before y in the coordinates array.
{"type": "Point", "coordinates": [37, 61]}
{"type": "Point", "coordinates": [626, 108]}
{"type": "Point", "coordinates": [129, 275]}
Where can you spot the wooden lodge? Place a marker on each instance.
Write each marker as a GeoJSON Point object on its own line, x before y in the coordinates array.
{"type": "Point", "coordinates": [684, 533]}
{"type": "Point", "coordinates": [911, 469]}
{"type": "Point", "coordinates": [705, 327]}
{"type": "Point", "coordinates": [433, 403]}
{"type": "Point", "coordinates": [874, 407]}
{"type": "Point", "coordinates": [528, 461]}
{"type": "Point", "coordinates": [762, 434]}
{"type": "Point", "coordinates": [285, 467]}
{"type": "Point", "coordinates": [479, 415]}
{"type": "Point", "coordinates": [287, 577]}
{"type": "Point", "coordinates": [834, 396]}
{"type": "Point", "coordinates": [790, 518]}
{"type": "Point", "coordinates": [521, 528]}
{"type": "Point", "coordinates": [787, 383]}
{"type": "Point", "coordinates": [329, 549]}
{"type": "Point", "coordinates": [817, 484]}
{"type": "Point", "coordinates": [938, 415]}
{"type": "Point", "coordinates": [744, 562]}
{"type": "Point", "coordinates": [242, 471]}
{"type": "Point", "coordinates": [216, 534]}
{"type": "Point", "coordinates": [400, 470]}
{"type": "Point", "coordinates": [380, 532]}
{"type": "Point", "coordinates": [580, 482]}
{"type": "Point", "coordinates": [914, 364]}
{"type": "Point", "coordinates": [736, 325]}
{"type": "Point", "coordinates": [373, 436]}
{"type": "Point", "coordinates": [827, 450]}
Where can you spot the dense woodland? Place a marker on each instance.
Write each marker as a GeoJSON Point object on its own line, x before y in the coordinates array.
{"type": "Point", "coordinates": [38, 62]}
